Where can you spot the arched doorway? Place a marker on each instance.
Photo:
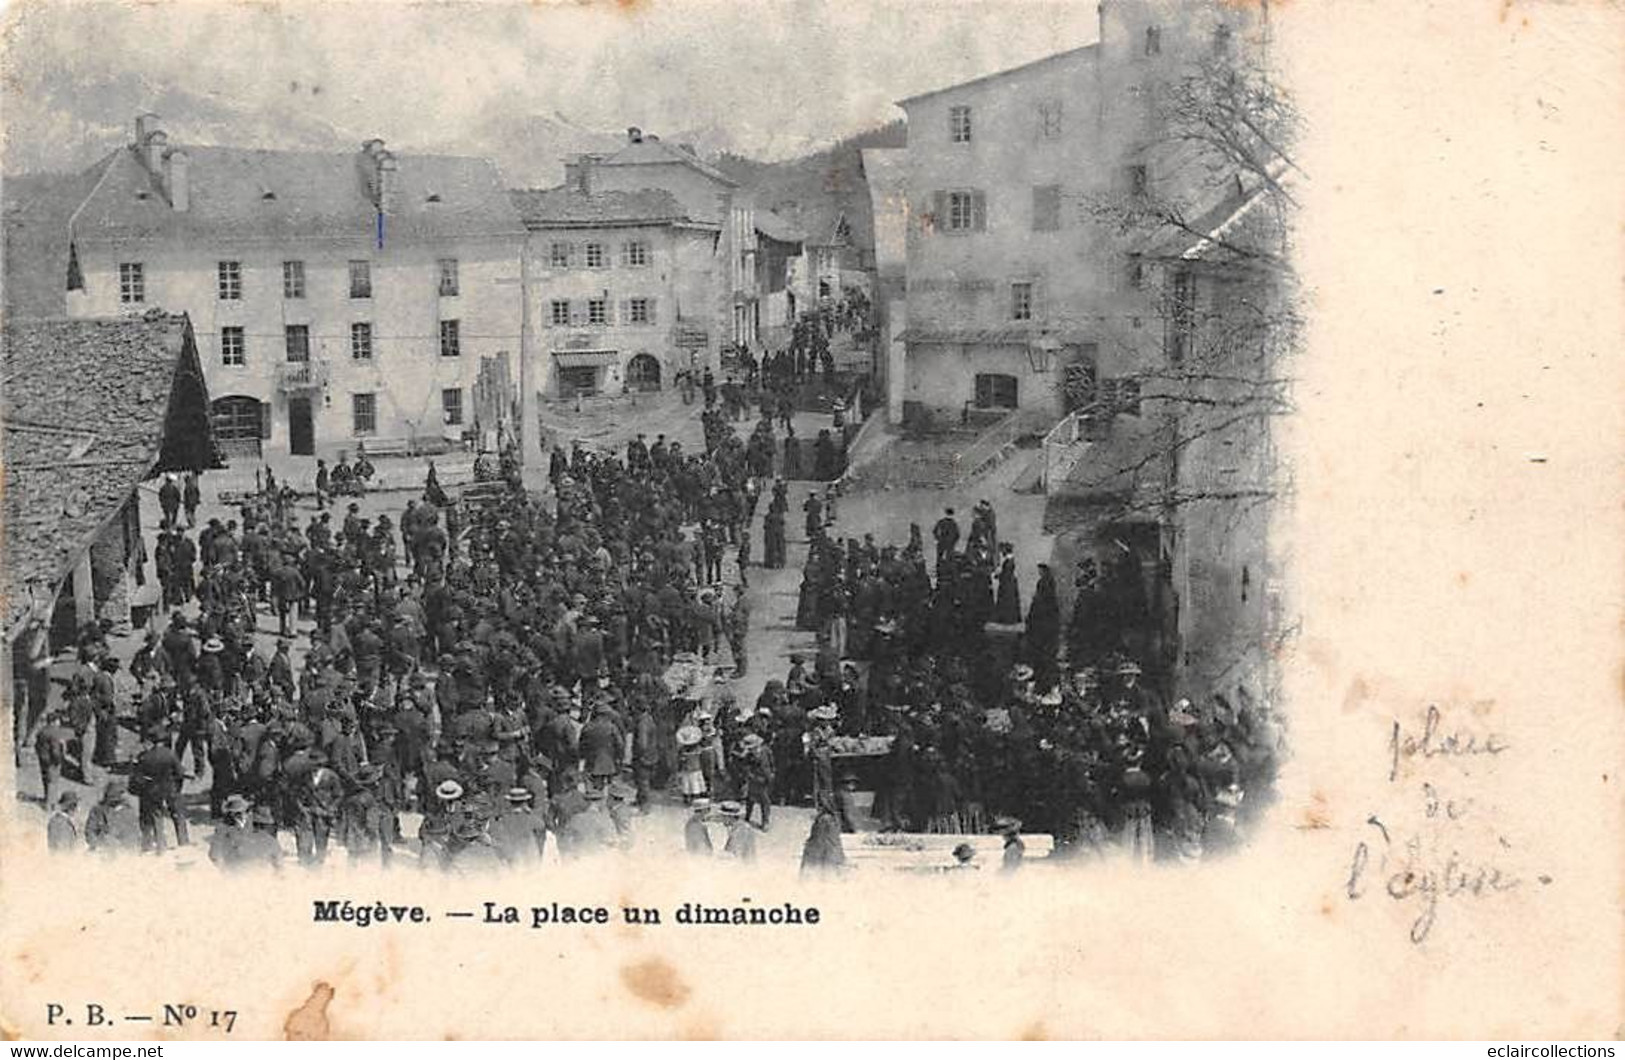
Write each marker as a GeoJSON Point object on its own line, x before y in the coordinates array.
{"type": "Point", "coordinates": [643, 373]}
{"type": "Point", "coordinates": [239, 424]}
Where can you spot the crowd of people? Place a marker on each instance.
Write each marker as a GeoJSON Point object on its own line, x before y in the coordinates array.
{"type": "Point", "coordinates": [520, 668]}
{"type": "Point", "coordinates": [990, 715]}
{"type": "Point", "coordinates": [504, 670]}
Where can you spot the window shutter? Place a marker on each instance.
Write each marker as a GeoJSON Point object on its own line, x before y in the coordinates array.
{"type": "Point", "coordinates": [652, 318]}
{"type": "Point", "coordinates": [978, 211]}
{"type": "Point", "coordinates": [938, 217]}
{"type": "Point", "coordinates": [625, 311]}
{"type": "Point", "coordinates": [578, 312]}
{"type": "Point", "coordinates": [265, 419]}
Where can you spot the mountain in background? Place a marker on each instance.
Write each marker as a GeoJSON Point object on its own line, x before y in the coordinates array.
{"type": "Point", "coordinates": [814, 191]}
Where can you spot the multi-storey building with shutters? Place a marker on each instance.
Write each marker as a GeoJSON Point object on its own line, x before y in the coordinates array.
{"type": "Point", "coordinates": [1015, 279]}
{"type": "Point", "coordinates": [337, 298]}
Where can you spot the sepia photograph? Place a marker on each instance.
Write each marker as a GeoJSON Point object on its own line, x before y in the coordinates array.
{"type": "Point", "coordinates": [784, 466]}
{"type": "Point", "coordinates": [901, 505]}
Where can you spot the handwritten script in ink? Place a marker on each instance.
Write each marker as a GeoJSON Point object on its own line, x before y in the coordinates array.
{"type": "Point", "coordinates": [1436, 843]}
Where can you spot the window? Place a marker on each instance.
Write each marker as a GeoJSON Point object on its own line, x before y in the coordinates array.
{"type": "Point", "coordinates": [558, 255]}
{"type": "Point", "coordinates": [132, 282]}
{"type": "Point", "coordinates": [1139, 180]}
{"type": "Point", "coordinates": [1049, 119]}
{"type": "Point", "coordinates": [961, 211]}
{"type": "Point", "coordinates": [1134, 272]}
{"type": "Point", "coordinates": [231, 281]}
{"type": "Point", "coordinates": [360, 279]}
{"type": "Point", "coordinates": [959, 124]}
{"type": "Point", "coordinates": [1221, 37]}
{"type": "Point", "coordinates": [598, 311]}
{"type": "Point", "coordinates": [296, 338]}
{"type": "Point", "coordinates": [448, 277]}
{"type": "Point", "coordinates": [635, 254]}
{"type": "Point", "coordinates": [363, 414]}
{"type": "Point", "coordinates": [293, 279]}
{"type": "Point", "coordinates": [1021, 301]}
{"type": "Point", "coordinates": [233, 354]}
{"type": "Point", "coordinates": [1181, 315]}
{"type": "Point", "coordinates": [559, 313]}
{"type": "Point", "coordinates": [1047, 208]}
{"type": "Point", "coordinates": [1153, 40]}
{"type": "Point", "coordinates": [995, 391]}
{"type": "Point", "coordinates": [451, 338]}
{"type": "Point", "coordinates": [639, 311]}
{"type": "Point", "coordinates": [595, 255]}
{"type": "Point", "coordinates": [361, 342]}
{"type": "Point", "coordinates": [451, 404]}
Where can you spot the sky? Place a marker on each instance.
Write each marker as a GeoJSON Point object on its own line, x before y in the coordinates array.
{"type": "Point", "coordinates": [770, 79]}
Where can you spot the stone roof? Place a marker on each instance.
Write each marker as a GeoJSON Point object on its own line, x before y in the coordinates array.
{"type": "Point", "coordinates": [260, 195]}
{"type": "Point", "coordinates": [569, 207]}
{"type": "Point", "coordinates": [90, 409]}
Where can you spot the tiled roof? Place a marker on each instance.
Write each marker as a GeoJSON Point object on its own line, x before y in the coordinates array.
{"type": "Point", "coordinates": [90, 408]}
{"type": "Point", "coordinates": [250, 194]}
{"type": "Point", "coordinates": [567, 207]}
{"type": "Point", "coordinates": [654, 152]}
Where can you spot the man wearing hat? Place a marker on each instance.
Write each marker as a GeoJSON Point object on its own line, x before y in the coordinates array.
{"type": "Point", "coordinates": [157, 780]}
{"type": "Point", "coordinates": [520, 830]}
{"type": "Point", "coordinates": [112, 826]}
{"type": "Point", "coordinates": [622, 797]}
{"type": "Point", "coordinates": [367, 819]}
{"type": "Point", "coordinates": [696, 837]}
{"type": "Point", "coordinates": [61, 831]}
{"type": "Point", "coordinates": [755, 769]}
{"type": "Point", "coordinates": [591, 830]}
{"type": "Point", "coordinates": [226, 842]}
{"type": "Point", "coordinates": [1015, 850]}
{"type": "Point", "coordinates": [820, 752]}
{"type": "Point", "coordinates": [741, 843]}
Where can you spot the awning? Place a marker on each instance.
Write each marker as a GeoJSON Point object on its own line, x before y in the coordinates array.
{"type": "Point", "coordinates": [585, 358]}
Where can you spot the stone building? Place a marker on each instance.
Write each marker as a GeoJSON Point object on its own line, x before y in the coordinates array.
{"type": "Point", "coordinates": [700, 328]}
{"type": "Point", "coordinates": [76, 458]}
{"type": "Point", "coordinates": [339, 298]}
{"type": "Point", "coordinates": [620, 286]}
{"type": "Point", "coordinates": [1015, 280]}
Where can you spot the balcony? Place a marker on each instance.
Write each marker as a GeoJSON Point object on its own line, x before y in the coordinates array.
{"type": "Point", "coordinates": [301, 377]}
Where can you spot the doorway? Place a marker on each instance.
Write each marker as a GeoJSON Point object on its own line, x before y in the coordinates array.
{"type": "Point", "coordinates": [301, 429]}
{"type": "Point", "coordinates": [643, 373]}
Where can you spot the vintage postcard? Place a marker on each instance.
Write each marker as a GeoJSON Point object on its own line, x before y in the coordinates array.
{"type": "Point", "coordinates": [914, 519]}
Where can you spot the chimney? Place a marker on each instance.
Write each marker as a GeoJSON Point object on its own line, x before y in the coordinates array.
{"type": "Point", "coordinates": [634, 135]}
{"type": "Point", "coordinates": [144, 123]}
{"type": "Point", "coordinates": [389, 181]}
{"type": "Point", "coordinates": [178, 179]}
{"type": "Point", "coordinates": [152, 151]}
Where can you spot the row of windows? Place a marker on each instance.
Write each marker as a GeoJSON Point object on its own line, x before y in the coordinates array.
{"type": "Point", "coordinates": [960, 126]}
{"type": "Point", "coordinates": [634, 254]}
{"type": "Point", "coordinates": [132, 280]}
{"type": "Point", "coordinates": [599, 312]}
{"type": "Point", "coordinates": [364, 410]}
{"type": "Point", "coordinates": [296, 342]}
{"type": "Point", "coordinates": [965, 210]}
